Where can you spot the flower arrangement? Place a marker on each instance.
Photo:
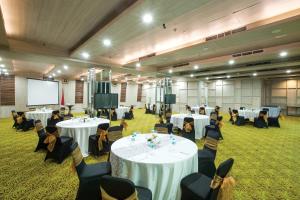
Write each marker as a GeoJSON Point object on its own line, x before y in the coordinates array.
{"type": "Point", "coordinates": [153, 141]}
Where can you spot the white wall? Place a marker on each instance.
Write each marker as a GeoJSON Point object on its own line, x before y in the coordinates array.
{"type": "Point", "coordinates": [21, 97]}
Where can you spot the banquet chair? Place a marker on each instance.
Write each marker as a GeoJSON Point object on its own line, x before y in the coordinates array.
{"type": "Point", "coordinates": [274, 121]}
{"type": "Point", "coordinates": [58, 148]}
{"type": "Point", "coordinates": [54, 119]}
{"type": "Point", "coordinates": [188, 130]}
{"type": "Point", "coordinates": [230, 114]}
{"type": "Point", "coordinates": [22, 123]}
{"type": "Point", "coordinates": [161, 128]}
{"type": "Point", "coordinates": [261, 120]}
{"type": "Point", "coordinates": [168, 115]}
{"type": "Point", "coordinates": [41, 134]}
{"type": "Point", "coordinates": [89, 175]}
{"type": "Point", "coordinates": [153, 109]}
{"type": "Point", "coordinates": [170, 127]}
{"type": "Point", "coordinates": [237, 119]}
{"type": "Point", "coordinates": [98, 146]}
{"type": "Point", "coordinates": [14, 116]}
{"type": "Point", "coordinates": [120, 188]}
{"type": "Point", "coordinates": [207, 155]}
{"type": "Point", "coordinates": [242, 108]}
{"type": "Point", "coordinates": [193, 111]}
{"type": "Point", "coordinates": [202, 111]}
{"type": "Point", "coordinates": [197, 186]}
{"type": "Point", "coordinates": [114, 133]}
{"type": "Point", "coordinates": [113, 115]}
{"type": "Point", "coordinates": [62, 112]}
{"type": "Point", "coordinates": [213, 125]}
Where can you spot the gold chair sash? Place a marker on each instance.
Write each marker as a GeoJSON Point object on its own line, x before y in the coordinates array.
{"type": "Point", "coordinates": [211, 143]}
{"type": "Point", "coordinates": [162, 130]}
{"type": "Point", "coordinates": [102, 137]}
{"type": "Point", "coordinates": [38, 126]}
{"type": "Point", "coordinates": [226, 187]}
{"type": "Point", "coordinates": [77, 158]}
{"type": "Point", "coordinates": [19, 120]}
{"type": "Point", "coordinates": [234, 117]}
{"type": "Point", "coordinates": [125, 125]}
{"type": "Point", "coordinates": [114, 135]}
{"type": "Point", "coordinates": [188, 126]}
{"type": "Point", "coordinates": [50, 140]}
{"type": "Point", "coordinates": [55, 116]}
{"type": "Point", "coordinates": [106, 196]}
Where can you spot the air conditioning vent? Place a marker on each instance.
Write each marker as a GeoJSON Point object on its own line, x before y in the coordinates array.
{"type": "Point", "coordinates": [227, 33]}
{"type": "Point", "coordinates": [147, 56]}
{"type": "Point", "coordinates": [246, 53]}
{"type": "Point", "coordinates": [180, 65]}
{"type": "Point", "coordinates": [258, 63]}
{"type": "Point", "coordinates": [258, 51]}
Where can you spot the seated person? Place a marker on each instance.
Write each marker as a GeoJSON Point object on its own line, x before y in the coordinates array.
{"type": "Point", "coordinates": [54, 119]}
{"type": "Point", "coordinates": [202, 111]}
{"type": "Point", "coordinates": [113, 114]}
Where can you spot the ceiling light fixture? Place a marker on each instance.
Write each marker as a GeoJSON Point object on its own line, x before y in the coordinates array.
{"type": "Point", "coordinates": [0, 59]}
{"type": "Point", "coordinates": [50, 76]}
{"type": "Point", "coordinates": [4, 70]}
{"type": "Point", "coordinates": [2, 65]}
{"type": "Point", "coordinates": [138, 64]}
{"type": "Point", "coordinates": [53, 74]}
{"type": "Point", "coordinates": [6, 73]}
{"type": "Point", "coordinates": [283, 54]}
{"type": "Point", "coordinates": [231, 62]}
{"type": "Point", "coordinates": [228, 76]}
{"type": "Point", "coordinates": [288, 71]}
{"type": "Point", "coordinates": [254, 74]}
{"type": "Point", "coordinates": [59, 71]}
{"type": "Point", "coordinates": [170, 71]}
{"type": "Point", "coordinates": [147, 18]}
{"type": "Point", "coordinates": [82, 79]}
{"type": "Point", "coordinates": [139, 76]}
{"type": "Point", "coordinates": [106, 42]}
{"type": "Point", "coordinates": [85, 55]}
{"type": "Point", "coordinates": [66, 67]}
{"type": "Point", "coordinates": [192, 75]}
{"type": "Point", "coordinates": [196, 66]}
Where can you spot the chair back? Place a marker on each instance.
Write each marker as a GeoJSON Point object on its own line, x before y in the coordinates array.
{"type": "Point", "coordinates": [161, 128]}
{"type": "Point", "coordinates": [211, 141]}
{"type": "Point", "coordinates": [103, 126]}
{"type": "Point", "coordinates": [39, 127]}
{"type": "Point", "coordinates": [78, 161]}
{"type": "Point", "coordinates": [114, 133]}
{"type": "Point", "coordinates": [242, 108]}
{"type": "Point", "coordinates": [116, 188]}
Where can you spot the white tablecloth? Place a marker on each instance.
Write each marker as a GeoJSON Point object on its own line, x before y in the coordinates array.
{"type": "Point", "coordinates": [200, 121]}
{"type": "Point", "coordinates": [208, 110]}
{"type": "Point", "coordinates": [273, 111]}
{"type": "Point", "coordinates": [121, 111]}
{"type": "Point", "coordinates": [249, 114]}
{"type": "Point", "coordinates": [42, 115]}
{"type": "Point", "coordinates": [80, 131]}
{"type": "Point", "coordinates": [160, 169]}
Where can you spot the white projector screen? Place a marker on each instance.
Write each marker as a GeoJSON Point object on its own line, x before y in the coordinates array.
{"type": "Point", "coordinates": [40, 92]}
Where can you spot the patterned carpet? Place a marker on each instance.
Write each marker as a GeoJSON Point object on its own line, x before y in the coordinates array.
{"type": "Point", "coordinates": [266, 161]}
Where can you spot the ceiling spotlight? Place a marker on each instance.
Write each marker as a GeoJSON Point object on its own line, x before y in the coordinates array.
{"type": "Point", "coordinates": [59, 71]}
{"type": "Point", "coordinates": [85, 55]}
{"type": "Point", "coordinates": [5, 70]}
{"type": "Point", "coordinates": [231, 62]}
{"type": "Point", "coordinates": [138, 64]}
{"type": "Point", "coordinates": [139, 76]}
{"type": "Point", "coordinates": [53, 74]}
{"type": "Point", "coordinates": [192, 75]}
{"type": "Point", "coordinates": [196, 67]}
{"type": "Point", "coordinates": [2, 65]}
{"type": "Point", "coordinates": [170, 71]}
{"type": "Point", "coordinates": [66, 66]}
{"type": "Point", "coordinates": [228, 76]}
{"type": "Point", "coordinates": [288, 71]}
{"type": "Point", "coordinates": [106, 42]}
{"type": "Point", "coordinates": [206, 78]}
{"type": "Point", "coordinates": [82, 79]}
{"type": "Point", "coordinates": [283, 54]}
{"type": "Point", "coordinates": [147, 18]}
{"type": "Point", "coordinates": [6, 73]}
{"type": "Point", "coordinates": [254, 74]}
{"type": "Point", "coordinates": [50, 76]}
{"type": "Point", "coordinates": [0, 59]}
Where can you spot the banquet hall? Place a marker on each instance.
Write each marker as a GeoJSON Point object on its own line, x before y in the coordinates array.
{"type": "Point", "coordinates": [149, 99]}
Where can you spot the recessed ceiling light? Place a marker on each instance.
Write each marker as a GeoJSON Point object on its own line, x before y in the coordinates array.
{"type": "Point", "coordinates": [196, 66]}
{"type": "Point", "coordinates": [6, 73]}
{"type": "Point", "coordinates": [0, 59]}
{"type": "Point", "coordinates": [59, 71]}
{"type": "Point", "coordinates": [5, 70]}
{"type": "Point", "coordinates": [207, 78]}
{"type": "Point", "coordinates": [170, 71]}
{"type": "Point", "coordinates": [2, 65]}
{"type": "Point", "coordinates": [85, 55]}
{"type": "Point", "coordinates": [53, 74]}
{"type": "Point", "coordinates": [254, 74]}
{"type": "Point", "coordinates": [192, 75]}
{"type": "Point", "coordinates": [283, 54]}
{"type": "Point", "coordinates": [147, 18]}
{"type": "Point", "coordinates": [139, 76]}
{"type": "Point", "coordinates": [66, 66]}
{"type": "Point", "coordinates": [231, 62]}
{"type": "Point", "coordinates": [106, 42]}
{"type": "Point", "coordinates": [138, 64]}
{"type": "Point", "coordinates": [82, 79]}
{"type": "Point", "coordinates": [228, 76]}
{"type": "Point", "coordinates": [50, 76]}
{"type": "Point", "coordinates": [288, 71]}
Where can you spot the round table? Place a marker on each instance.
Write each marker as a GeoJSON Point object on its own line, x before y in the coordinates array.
{"type": "Point", "coordinates": [249, 114]}
{"type": "Point", "coordinates": [80, 131]}
{"type": "Point", "coordinates": [42, 115]}
{"type": "Point", "coordinates": [121, 111]}
{"type": "Point", "coordinates": [160, 168]}
{"type": "Point", "coordinates": [200, 121]}
{"type": "Point", "coordinates": [208, 110]}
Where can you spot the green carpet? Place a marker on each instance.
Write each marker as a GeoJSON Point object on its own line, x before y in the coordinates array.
{"type": "Point", "coordinates": [266, 161]}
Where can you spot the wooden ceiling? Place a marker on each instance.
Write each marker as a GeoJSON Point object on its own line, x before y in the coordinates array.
{"type": "Point", "coordinates": [41, 36]}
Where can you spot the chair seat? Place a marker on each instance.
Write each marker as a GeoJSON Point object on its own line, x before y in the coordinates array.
{"type": "Point", "coordinates": [196, 185]}
{"type": "Point", "coordinates": [143, 193]}
{"type": "Point", "coordinates": [97, 169]}
{"type": "Point", "coordinates": [65, 139]}
{"type": "Point", "coordinates": [206, 155]}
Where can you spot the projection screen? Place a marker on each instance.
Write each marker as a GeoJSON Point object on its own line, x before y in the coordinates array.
{"type": "Point", "coordinates": [40, 92]}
